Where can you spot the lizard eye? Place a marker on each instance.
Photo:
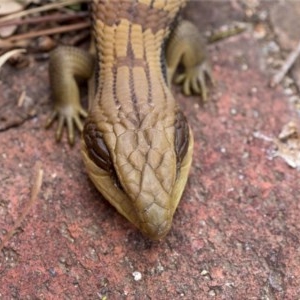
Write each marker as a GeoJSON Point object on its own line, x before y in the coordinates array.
{"type": "Point", "coordinates": [181, 138]}
{"type": "Point", "coordinates": [97, 150]}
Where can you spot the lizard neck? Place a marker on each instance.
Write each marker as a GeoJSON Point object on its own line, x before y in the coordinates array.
{"type": "Point", "coordinates": [129, 39]}
{"type": "Point", "coordinates": [132, 32]}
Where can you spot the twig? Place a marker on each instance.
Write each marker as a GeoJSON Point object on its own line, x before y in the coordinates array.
{"type": "Point", "coordinates": [50, 31]}
{"type": "Point", "coordinates": [40, 9]}
{"type": "Point", "coordinates": [21, 99]}
{"type": "Point", "coordinates": [228, 31]}
{"type": "Point", "coordinates": [43, 19]}
{"type": "Point", "coordinates": [37, 183]}
{"type": "Point", "coordinates": [4, 46]}
{"type": "Point", "coordinates": [79, 37]}
{"type": "Point", "coordinates": [286, 66]}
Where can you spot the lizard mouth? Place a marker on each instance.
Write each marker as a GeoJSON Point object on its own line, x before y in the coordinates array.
{"type": "Point", "coordinates": [157, 232]}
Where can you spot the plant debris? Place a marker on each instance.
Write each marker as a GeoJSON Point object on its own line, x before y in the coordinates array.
{"type": "Point", "coordinates": [288, 145]}
{"type": "Point", "coordinates": [23, 25]}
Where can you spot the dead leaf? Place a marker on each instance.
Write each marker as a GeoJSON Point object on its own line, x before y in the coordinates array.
{"type": "Point", "coordinates": [9, 54]}
{"type": "Point", "coordinates": [288, 145]}
{"type": "Point", "coordinates": [10, 6]}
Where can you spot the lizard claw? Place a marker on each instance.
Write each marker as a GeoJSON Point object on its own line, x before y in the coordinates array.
{"type": "Point", "coordinates": [194, 79]}
{"type": "Point", "coordinates": [67, 116]}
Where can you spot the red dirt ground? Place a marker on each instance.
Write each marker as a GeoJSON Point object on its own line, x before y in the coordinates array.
{"type": "Point", "coordinates": [236, 231]}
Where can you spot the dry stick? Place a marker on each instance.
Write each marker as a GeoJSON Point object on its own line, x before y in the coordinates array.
{"type": "Point", "coordinates": [50, 18]}
{"type": "Point", "coordinates": [79, 37]}
{"type": "Point", "coordinates": [286, 66]}
{"type": "Point", "coordinates": [37, 183]}
{"type": "Point", "coordinates": [51, 31]}
{"type": "Point", "coordinates": [40, 9]}
{"type": "Point", "coordinates": [21, 99]}
{"type": "Point", "coordinates": [4, 46]}
{"type": "Point", "coordinates": [232, 30]}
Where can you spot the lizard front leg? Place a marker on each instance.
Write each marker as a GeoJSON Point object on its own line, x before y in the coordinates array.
{"type": "Point", "coordinates": [187, 48]}
{"type": "Point", "coordinates": [66, 66]}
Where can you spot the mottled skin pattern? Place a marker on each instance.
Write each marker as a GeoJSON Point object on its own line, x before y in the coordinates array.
{"type": "Point", "coordinates": [137, 145]}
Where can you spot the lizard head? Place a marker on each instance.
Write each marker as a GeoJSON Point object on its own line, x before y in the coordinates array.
{"type": "Point", "coordinates": [142, 171]}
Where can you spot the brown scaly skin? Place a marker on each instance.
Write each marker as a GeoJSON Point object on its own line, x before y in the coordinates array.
{"type": "Point", "coordinates": [136, 143]}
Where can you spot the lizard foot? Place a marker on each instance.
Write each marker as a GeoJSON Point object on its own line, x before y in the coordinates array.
{"type": "Point", "coordinates": [69, 116]}
{"type": "Point", "coordinates": [194, 79]}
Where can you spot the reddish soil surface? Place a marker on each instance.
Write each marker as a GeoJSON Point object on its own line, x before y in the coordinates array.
{"type": "Point", "coordinates": [235, 233]}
